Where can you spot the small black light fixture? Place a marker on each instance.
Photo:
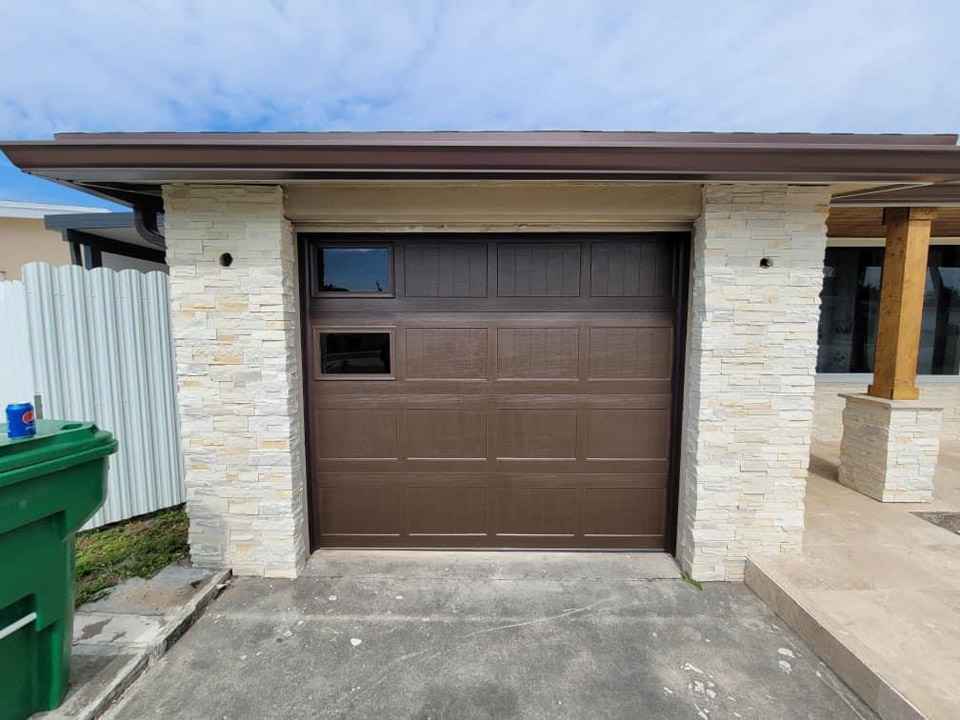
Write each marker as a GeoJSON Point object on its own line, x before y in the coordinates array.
{"type": "Point", "coordinates": [226, 260]}
{"type": "Point", "coordinates": [766, 262]}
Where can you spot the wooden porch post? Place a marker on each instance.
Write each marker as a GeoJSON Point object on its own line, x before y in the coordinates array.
{"type": "Point", "coordinates": [901, 303]}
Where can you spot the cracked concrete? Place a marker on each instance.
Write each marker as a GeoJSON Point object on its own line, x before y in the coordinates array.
{"type": "Point", "coordinates": [132, 615]}
{"type": "Point", "coordinates": [466, 636]}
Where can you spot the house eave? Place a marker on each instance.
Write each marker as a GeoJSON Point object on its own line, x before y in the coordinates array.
{"type": "Point", "coordinates": [149, 160]}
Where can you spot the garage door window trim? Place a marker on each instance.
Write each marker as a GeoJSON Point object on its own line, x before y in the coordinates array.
{"type": "Point", "coordinates": [322, 359]}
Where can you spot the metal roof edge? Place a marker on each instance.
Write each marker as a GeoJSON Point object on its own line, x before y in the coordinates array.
{"type": "Point", "coordinates": [88, 221]}
{"type": "Point", "coordinates": [35, 211]}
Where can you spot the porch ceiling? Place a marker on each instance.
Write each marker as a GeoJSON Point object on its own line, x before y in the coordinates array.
{"type": "Point", "coordinates": [867, 222]}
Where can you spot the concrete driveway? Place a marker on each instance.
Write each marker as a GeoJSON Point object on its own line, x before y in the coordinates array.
{"type": "Point", "coordinates": [464, 636]}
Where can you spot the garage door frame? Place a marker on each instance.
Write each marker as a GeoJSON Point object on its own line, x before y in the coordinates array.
{"type": "Point", "coordinates": [681, 271]}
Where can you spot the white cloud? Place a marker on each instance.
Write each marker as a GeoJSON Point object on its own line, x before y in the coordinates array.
{"type": "Point", "coordinates": [600, 64]}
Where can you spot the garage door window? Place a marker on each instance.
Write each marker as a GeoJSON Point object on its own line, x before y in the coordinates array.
{"type": "Point", "coordinates": [353, 270]}
{"type": "Point", "coordinates": [347, 353]}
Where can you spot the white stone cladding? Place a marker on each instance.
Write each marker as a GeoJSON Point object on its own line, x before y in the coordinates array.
{"type": "Point", "coordinates": [750, 372]}
{"type": "Point", "coordinates": [240, 387]}
{"type": "Point", "coordinates": [940, 390]}
{"type": "Point", "coordinates": [889, 448]}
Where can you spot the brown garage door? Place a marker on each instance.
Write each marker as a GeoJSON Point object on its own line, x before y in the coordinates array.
{"type": "Point", "coordinates": [478, 391]}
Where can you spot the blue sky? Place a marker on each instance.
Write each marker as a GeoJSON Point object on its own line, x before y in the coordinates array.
{"type": "Point", "coordinates": [844, 65]}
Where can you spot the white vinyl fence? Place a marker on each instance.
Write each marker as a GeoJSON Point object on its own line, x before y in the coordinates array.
{"type": "Point", "coordinates": [16, 368]}
{"type": "Point", "coordinates": [101, 351]}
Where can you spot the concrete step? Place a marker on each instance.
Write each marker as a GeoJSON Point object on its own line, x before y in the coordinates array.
{"type": "Point", "coordinates": [839, 650]}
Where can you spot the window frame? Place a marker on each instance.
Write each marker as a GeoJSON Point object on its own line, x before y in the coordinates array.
{"type": "Point", "coordinates": [319, 330]}
{"type": "Point", "coordinates": [316, 260]}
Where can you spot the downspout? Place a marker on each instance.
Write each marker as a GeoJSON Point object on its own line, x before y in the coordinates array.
{"type": "Point", "coordinates": [147, 222]}
{"type": "Point", "coordinates": [76, 256]}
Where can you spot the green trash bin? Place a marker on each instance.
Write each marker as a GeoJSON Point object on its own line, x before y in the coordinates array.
{"type": "Point", "coordinates": [50, 485]}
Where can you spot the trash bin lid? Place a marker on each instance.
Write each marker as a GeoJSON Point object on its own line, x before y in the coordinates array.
{"type": "Point", "coordinates": [54, 439]}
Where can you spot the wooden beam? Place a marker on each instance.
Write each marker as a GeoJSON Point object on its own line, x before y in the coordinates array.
{"type": "Point", "coordinates": [901, 302]}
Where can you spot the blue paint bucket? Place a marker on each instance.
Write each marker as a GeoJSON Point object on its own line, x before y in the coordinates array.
{"type": "Point", "coordinates": [20, 420]}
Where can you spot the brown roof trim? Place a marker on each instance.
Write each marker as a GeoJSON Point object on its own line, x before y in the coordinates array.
{"type": "Point", "coordinates": [547, 138]}
{"type": "Point", "coordinates": [251, 157]}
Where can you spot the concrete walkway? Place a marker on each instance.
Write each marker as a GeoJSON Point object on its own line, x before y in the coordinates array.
{"type": "Point", "coordinates": [117, 637]}
{"type": "Point", "coordinates": [464, 636]}
{"type": "Point", "coordinates": [876, 591]}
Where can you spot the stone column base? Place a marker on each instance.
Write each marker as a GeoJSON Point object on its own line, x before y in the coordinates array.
{"type": "Point", "coordinates": [889, 447]}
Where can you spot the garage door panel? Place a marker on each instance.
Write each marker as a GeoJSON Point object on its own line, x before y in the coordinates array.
{"type": "Point", "coordinates": [538, 270]}
{"type": "Point", "coordinates": [557, 468]}
{"type": "Point", "coordinates": [629, 353]}
{"type": "Point", "coordinates": [445, 478]}
{"type": "Point", "coordinates": [571, 305]}
{"type": "Point", "coordinates": [443, 397]}
{"type": "Point", "coordinates": [533, 542]}
{"type": "Point", "coordinates": [567, 400]}
{"type": "Point", "coordinates": [445, 353]}
{"type": "Point", "coordinates": [445, 434]}
{"type": "Point", "coordinates": [451, 511]}
{"type": "Point", "coordinates": [622, 511]}
{"type": "Point", "coordinates": [356, 434]}
{"type": "Point", "coordinates": [538, 353]}
{"type": "Point", "coordinates": [536, 434]}
{"type": "Point", "coordinates": [629, 467]}
{"type": "Point", "coordinates": [627, 434]}
{"type": "Point", "coordinates": [538, 511]}
{"type": "Point", "coordinates": [582, 479]}
{"type": "Point", "coordinates": [630, 269]}
{"type": "Point", "coordinates": [361, 508]}
{"type": "Point", "coordinates": [453, 270]}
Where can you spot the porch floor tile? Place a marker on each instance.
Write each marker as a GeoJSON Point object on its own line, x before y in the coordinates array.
{"type": "Point", "coordinates": [876, 591]}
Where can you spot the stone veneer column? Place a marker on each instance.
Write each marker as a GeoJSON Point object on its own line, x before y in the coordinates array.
{"type": "Point", "coordinates": [750, 369]}
{"type": "Point", "coordinates": [889, 447]}
{"type": "Point", "coordinates": [236, 336]}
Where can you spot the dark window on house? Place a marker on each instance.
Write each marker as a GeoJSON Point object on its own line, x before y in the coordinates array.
{"type": "Point", "coordinates": [851, 304]}
{"type": "Point", "coordinates": [355, 353]}
{"type": "Point", "coordinates": [365, 270]}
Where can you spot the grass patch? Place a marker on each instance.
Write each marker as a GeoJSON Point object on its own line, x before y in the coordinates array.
{"type": "Point", "coordinates": [136, 548]}
{"type": "Point", "coordinates": [690, 581]}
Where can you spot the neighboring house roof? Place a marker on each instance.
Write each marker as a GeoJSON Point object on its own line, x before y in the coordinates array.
{"type": "Point", "coordinates": [113, 232]}
{"type": "Point", "coordinates": [13, 209]}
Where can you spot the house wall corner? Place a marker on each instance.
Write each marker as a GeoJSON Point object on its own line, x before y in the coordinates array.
{"type": "Point", "coordinates": [755, 280]}
{"type": "Point", "coordinates": [239, 377]}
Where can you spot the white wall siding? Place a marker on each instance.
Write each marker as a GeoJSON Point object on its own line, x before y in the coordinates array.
{"type": "Point", "coordinates": [101, 349]}
{"type": "Point", "coordinates": [16, 370]}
